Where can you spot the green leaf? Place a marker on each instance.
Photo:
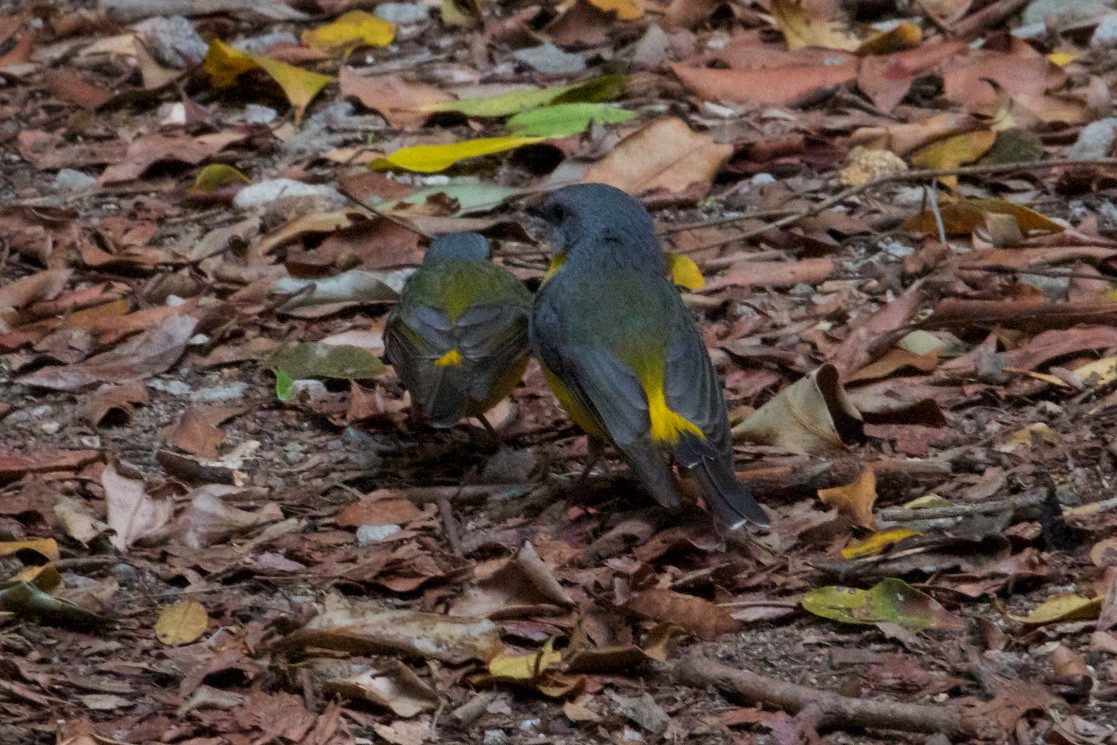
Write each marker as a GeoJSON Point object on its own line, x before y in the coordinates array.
{"type": "Point", "coordinates": [565, 119]}
{"type": "Point", "coordinates": [216, 175]}
{"type": "Point", "coordinates": [316, 360]}
{"type": "Point", "coordinates": [604, 88]}
{"type": "Point", "coordinates": [889, 601]}
{"type": "Point", "coordinates": [284, 385]}
{"type": "Point", "coordinates": [435, 158]}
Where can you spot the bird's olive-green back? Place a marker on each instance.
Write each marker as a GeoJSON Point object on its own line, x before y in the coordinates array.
{"type": "Point", "coordinates": [452, 286]}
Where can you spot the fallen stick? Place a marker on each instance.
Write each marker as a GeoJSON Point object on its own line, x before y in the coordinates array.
{"type": "Point", "coordinates": [826, 710]}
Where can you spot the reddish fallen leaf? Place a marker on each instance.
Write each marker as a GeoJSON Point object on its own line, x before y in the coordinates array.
{"type": "Point", "coordinates": [197, 432]}
{"type": "Point", "coordinates": [772, 274]}
{"type": "Point", "coordinates": [771, 85]}
{"type": "Point", "coordinates": [71, 86]}
{"type": "Point", "coordinates": [697, 616]}
{"type": "Point", "coordinates": [664, 156]}
{"type": "Point", "coordinates": [151, 353]}
{"type": "Point", "coordinates": [886, 79]}
{"type": "Point", "coordinates": [147, 150]}
{"type": "Point", "coordinates": [119, 400]}
{"type": "Point", "coordinates": [397, 100]}
{"type": "Point", "coordinates": [43, 460]}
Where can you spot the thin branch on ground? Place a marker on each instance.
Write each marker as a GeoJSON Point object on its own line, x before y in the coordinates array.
{"type": "Point", "coordinates": [825, 710]}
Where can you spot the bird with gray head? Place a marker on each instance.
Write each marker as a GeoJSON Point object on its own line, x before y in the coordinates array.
{"type": "Point", "coordinates": [624, 356]}
{"type": "Point", "coordinates": [458, 339]}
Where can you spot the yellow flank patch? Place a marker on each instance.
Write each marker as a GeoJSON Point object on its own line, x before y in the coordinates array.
{"type": "Point", "coordinates": [577, 413]}
{"type": "Point", "coordinates": [556, 262]}
{"type": "Point", "coordinates": [667, 425]}
{"type": "Point", "coordinates": [453, 358]}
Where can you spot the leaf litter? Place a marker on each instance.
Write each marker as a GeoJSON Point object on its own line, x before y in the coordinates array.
{"type": "Point", "coordinates": [900, 247]}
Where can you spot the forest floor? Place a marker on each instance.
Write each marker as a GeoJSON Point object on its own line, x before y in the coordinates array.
{"type": "Point", "coordinates": [910, 253]}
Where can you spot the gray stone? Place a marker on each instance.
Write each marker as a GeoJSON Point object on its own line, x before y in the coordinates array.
{"type": "Point", "coordinates": [1105, 35]}
{"type": "Point", "coordinates": [548, 58]}
{"type": "Point", "coordinates": [264, 193]}
{"type": "Point", "coordinates": [173, 387]}
{"type": "Point", "coordinates": [1065, 12]}
{"type": "Point", "coordinates": [173, 41]}
{"type": "Point", "coordinates": [1095, 140]}
{"type": "Point", "coordinates": [69, 180]}
{"type": "Point", "coordinates": [261, 44]}
{"type": "Point", "coordinates": [402, 14]}
{"type": "Point", "coordinates": [254, 113]}
{"type": "Point", "coordinates": [368, 535]}
{"type": "Point", "coordinates": [222, 392]}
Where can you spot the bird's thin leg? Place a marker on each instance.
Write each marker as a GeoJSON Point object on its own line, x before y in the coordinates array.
{"type": "Point", "coordinates": [493, 434]}
{"type": "Point", "coordinates": [596, 450]}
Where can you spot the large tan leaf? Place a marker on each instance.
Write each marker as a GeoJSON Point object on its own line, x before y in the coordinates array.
{"type": "Point", "coordinates": [813, 415]}
{"type": "Point", "coordinates": [664, 156]}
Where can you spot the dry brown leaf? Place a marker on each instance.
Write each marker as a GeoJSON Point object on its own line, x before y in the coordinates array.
{"type": "Point", "coordinates": [772, 85]}
{"type": "Point", "coordinates": [390, 684]}
{"type": "Point", "coordinates": [697, 616]}
{"type": "Point", "coordinates": [152, 352]}
{"type": "Point", "coordinates": [854, 500]}
{"type": "Point", "coordinates": [181, 623]}
{"type": "Point", "coordinates": [119, 399]}
{"type": "Point", "coordinates": [664, 156]}
{"type": "Point", "coordinates": [364, 627]}
{"type": "Point", "coordinates": [397, 100]}
{"type": "Point", "coordinates": [813, 415]}
{"type": "Point", "coordinates": [133, 513]}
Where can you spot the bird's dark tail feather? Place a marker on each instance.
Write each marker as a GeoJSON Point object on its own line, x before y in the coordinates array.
{"type": "Point", "coordinates": [729, 500]}
{"type": "Point", "coordinates": [446, 398]}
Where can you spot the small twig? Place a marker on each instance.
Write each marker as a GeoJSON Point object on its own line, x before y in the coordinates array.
{"type": "Point", "coordinates": [758, 215]}
{"type": "Point", "coordinates": [933, 17]}
{"type": "Point", "coordinates": [1056, 273]}
{"type": "Point", "coordinates": [1018, 502]}
{"type": "Point", "coordinates": [927, 173]}
{"type": "Point", "coordinates": [987, 17]}
{"type": "Point", "coordinates": [450, 527]}
{"type": "Point", "coordinates": [934, 195]}
{"type": "Point", "coordinates": [824, 709]}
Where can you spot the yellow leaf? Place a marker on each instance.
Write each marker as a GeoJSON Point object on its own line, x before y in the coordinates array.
{"type": "Point", "coordinates": [1031, 433]}
{"type": "Point", "coordinates": [299, 86]}
{"type": "Point", "coordinates": [1062, 59]}
{"type": "Point", "coordinates": [45, 547]}
{"type": "Point", "coordinates": [463, 13]}
{"type": "Point", "coordinates": [904, 35]}
{"type": "Point", "coordinates": [181, 623]}
{"type": "Point", "coordinates": [45, 577]}
{"type": "Point", "coordinates": [684, 272]}
{"type": "Point", "coordinates": [952, 152]}
{"type": "Point", "coordinates": [435, 158]}
{"type": "Point", "coordinates": [525, 668]}
{"type": "Point", "coordinates": [964, 216]}
{"type": "Point", "coordinates": [1099, 372]}
{"type": "Point", "coordinates": [1065, 607]}
{"type": "Point", "coordinates": [877, 543]}
{"type": "Point", "coordinates": [626, 10]}
{"type": "Point", "coordinates": [927, 502]}
{"type": "Point", "coordinates": [354, 29]}
{"type": "Point", "coordinates": [801, 30]}
{"type": "Point", "coordinates": [855, 500]}
{"type": "Point", "coordinates": [216, 175]}
{"type": "Point", "coordinates": [224, 64]}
